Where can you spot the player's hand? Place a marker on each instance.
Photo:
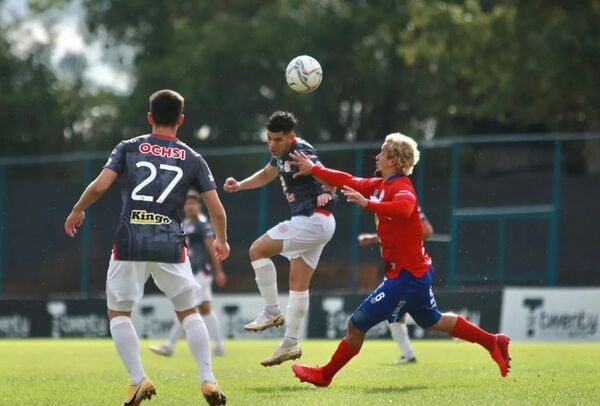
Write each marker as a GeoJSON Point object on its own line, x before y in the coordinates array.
{"type": "Point", "coordinates": [220, 279]}
{"type": "Point", "coordinates": [352, 196]}
{"type": "Point", "coordinates": [366, 239]}
{"type": "Point", "coordinates": [301, 161]}
{"type": "Point", "coordinates": [221, 250]}
{"type": "Point", "coordinates": [73, 222]}
{"type": "Point", "coordinates": [323, 199]}
{"type": "Point", "coordinates": [231, 185]}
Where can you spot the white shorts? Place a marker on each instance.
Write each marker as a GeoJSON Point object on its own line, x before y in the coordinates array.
{"type": "Point", "coordinates": [304, 237]}
{"type": "Point", "coordinates": [204, 293]}
{"type": "Point", "coordinates": [125, 282]}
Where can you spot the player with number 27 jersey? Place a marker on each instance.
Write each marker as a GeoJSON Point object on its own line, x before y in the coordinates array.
{"type": "Point", "coordinates": [158, 172]}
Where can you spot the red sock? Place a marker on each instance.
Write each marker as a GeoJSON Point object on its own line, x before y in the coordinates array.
{"type": "Point", "coordinates": [340, 357]}
{"type": "Point", "coordinates": [466, 330]}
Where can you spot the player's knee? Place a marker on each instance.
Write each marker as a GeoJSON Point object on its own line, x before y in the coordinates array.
{"type": "Point", "coordinates": [204, 308]}
{"type": "Point", "coordinates": [255, 252]}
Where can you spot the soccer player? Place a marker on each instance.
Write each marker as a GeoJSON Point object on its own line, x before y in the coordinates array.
{"type": "Point", "coordinates": [200, 238]}
{"type": "Point", "coordinates": [398, 330]}
{"type": "Point", "coordinates": [300, 239]}
{"type": "Point", "coordinates": [158, 170]}
{"type": "Point", "coordinates": [407, 287]}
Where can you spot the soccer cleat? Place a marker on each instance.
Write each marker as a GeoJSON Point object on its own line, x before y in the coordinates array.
{"type": "Point", "coordinates": [263, 321]}
{"type": "Point", "coordinates": [219, 351]}
{"type": "Point", "coordinates": [405, 360]}
{"type": "Point", "coordinates": [213, 394]}
{"type": "Point", "coordinates": [161, 350]}
{"type": "Point", "coordinates": [144, 390]}
{"type": "Point", "coordinates": [282, 354]}
{"type": "Point", "coordinates": [500, 353]}
{"type": "Point", "coordinates": [309, 374]}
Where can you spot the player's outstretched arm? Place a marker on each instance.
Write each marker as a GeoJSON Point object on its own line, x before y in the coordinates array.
{"type": "Point", "coordinates": [218, 218]}
{"type": "Point", "coordinates": [92, 193]}
{"type": "Point", "coordinates": [366, 239]}
{"type": "Point", "coordinates": [258, 179]}
{"type": "Point", "coordinates": [330, 176]}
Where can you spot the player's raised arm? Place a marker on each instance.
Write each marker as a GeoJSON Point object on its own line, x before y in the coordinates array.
{"type": "Point", "coordinates": [332, 177]}
{"type": "Point", "coordinates": [219, 221]}
{"type": "Point", "coordinates": [258, 179]}
{"type": "Point", "coordinates": [92, 193]}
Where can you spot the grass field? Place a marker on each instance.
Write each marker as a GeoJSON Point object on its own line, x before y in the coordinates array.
{"type": "Point", "coordinates": [89, 372]}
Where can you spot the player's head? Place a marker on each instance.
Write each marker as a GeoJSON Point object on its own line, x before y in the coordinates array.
{"type": "Point", "coordinates": [398, 154]}
{"type": "Point", "coordinates": [280, 132]}
{"type": "Point", "coordinates": [193, 204]}
{"type": "Point", "coordinates": [166, 109]}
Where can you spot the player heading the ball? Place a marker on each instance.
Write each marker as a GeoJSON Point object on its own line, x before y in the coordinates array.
{"type": "Point", "coordinates": [300, 239]}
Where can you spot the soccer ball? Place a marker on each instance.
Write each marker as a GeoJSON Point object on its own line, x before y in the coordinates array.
{"type": "Point", "coordinates": [304, 74]}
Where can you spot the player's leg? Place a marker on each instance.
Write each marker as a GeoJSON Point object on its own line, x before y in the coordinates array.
{"type": "Point", "coordinates": [198, 342]}
{"type": "Point", "coordinates": [386, 300]}
{"type": "Point", "coordinates": [213, 326]}
{"type": "Point", "coordinates": [300, 276]}
{"type": "Point", "coordinates": [399, 333]}
{"type": "Point", "coordinates": [168, 347]}
{"type": "Point", "coordinates": [496, 344]}
{"type": "Point", "coordinates": [261, 252]}
{"type": "Point", "coordinates": [124, 285]}
{"type": "Point", "coordinates": [177, 282]}
{"type": "Point", "coordinates": [423, 309]}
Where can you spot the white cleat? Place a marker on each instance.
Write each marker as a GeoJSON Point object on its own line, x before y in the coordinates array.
{"type": "Point", "coordinates": [263, 321]}
{"type": "Point", "coordinates": [405, 360]}
{"type": "Point", "coordinates": [282, 354]}
{"type": "Point", "coordinates": [161, 350]}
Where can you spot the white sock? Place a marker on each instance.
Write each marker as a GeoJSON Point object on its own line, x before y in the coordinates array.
{"type": "Point", "coordinates": [174, 335]}
{"type": "Point", "coordinates": [214, 328]}
{"type": "Point", "coordinates": [400, 334]}
{"type": "Point", "coordinates": [266, 280]}
{"type": "Point", "coordinates": [198, 342]}
{"type": "Point", "coordinates": [128, 346]}
{"type": "Point", "coordinates": [296, 314]}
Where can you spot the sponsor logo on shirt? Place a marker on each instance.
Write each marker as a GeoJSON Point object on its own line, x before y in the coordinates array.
{"type": "Point", "coordinates": [167, 152]}
{"type": "Point", "coordinates": [143, 217]}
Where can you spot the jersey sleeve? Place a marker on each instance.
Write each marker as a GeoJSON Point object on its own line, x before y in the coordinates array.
{"type": "Point", "coordinates": [117, 158]}
{"type": "Point", "coordinates": [203, 180]}
{"type": "Point", "coordinates": [364, 186]}
{"type": "Point", "coordinates": [402, 205]}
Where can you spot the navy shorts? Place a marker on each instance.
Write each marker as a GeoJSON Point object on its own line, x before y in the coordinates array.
{"type": "Point", "coordinates": [396, 297]}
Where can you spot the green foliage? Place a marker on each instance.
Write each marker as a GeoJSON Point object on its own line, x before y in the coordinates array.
{"type": "Point", "coordinates": [78, 372]}
{"type": "Point", "coordinates": [459, 67]}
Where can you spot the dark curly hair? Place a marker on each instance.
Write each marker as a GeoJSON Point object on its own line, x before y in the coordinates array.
{"type": "Point", "coordinates": [282, 121]}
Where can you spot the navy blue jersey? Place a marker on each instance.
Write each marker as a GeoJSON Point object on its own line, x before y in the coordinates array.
{"type": "Point", "coordinates": [196, 230]}
{"type": "Point", "coordinates": [157, 171]}
{"type": "Point", "coordinates": [301, 192]}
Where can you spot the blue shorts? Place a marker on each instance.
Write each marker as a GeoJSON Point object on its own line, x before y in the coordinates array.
{"type": "Point", "coordinates": [396, 297]}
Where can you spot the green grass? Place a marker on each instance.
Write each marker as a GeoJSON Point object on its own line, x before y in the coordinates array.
{"type": "Point", "coordinates": [89, 372]}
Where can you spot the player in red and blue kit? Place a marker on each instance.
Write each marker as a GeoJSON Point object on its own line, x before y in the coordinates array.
{"type": "Point", "coordinates": [408, 270]}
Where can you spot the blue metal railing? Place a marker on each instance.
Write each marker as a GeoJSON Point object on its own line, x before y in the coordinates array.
{"type": "Point", "coordinates": [501, 215]}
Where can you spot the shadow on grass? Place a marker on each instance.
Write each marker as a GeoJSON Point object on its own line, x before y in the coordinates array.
{"type": "Point", "coordinates": [285, 388]}
{"type": "Point", "coordinates": [394, 389]}
{"type": "Point", "coordinates": [311, 388]}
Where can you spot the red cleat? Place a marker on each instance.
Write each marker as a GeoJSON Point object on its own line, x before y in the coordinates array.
{"type": "Point", "coordinates": [500, 353]}
{"type": "Point", "coordinates": [312, 375]}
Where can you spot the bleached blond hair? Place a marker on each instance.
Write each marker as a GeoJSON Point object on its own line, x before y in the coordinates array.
{"type": "Point", "coordinates": [405, 148]}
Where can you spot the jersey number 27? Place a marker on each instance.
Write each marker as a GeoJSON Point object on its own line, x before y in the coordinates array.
{"type": "Point", "coordinates": [153, 171]}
